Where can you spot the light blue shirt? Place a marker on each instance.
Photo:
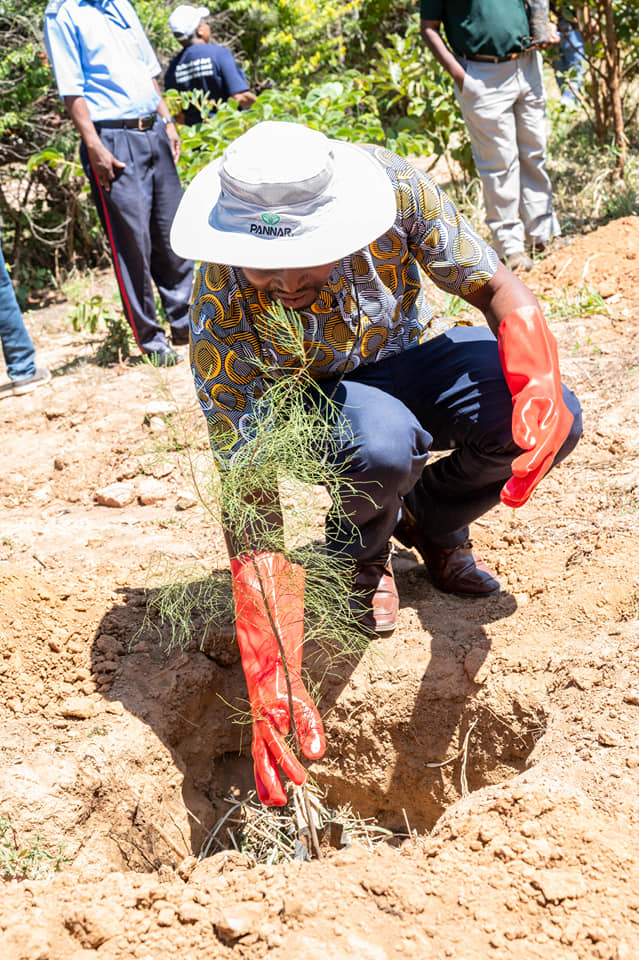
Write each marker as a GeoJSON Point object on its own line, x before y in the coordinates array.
{"type": "Point", "coordinates": [99, 51]}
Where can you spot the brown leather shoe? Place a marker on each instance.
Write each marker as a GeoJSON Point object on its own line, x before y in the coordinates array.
{"type": "Point", "coordinates": [375, 599]}
{"type": "Point", "coordinates": [457, 570]}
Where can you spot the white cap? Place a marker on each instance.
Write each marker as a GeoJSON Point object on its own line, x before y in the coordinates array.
{"type": "Point", "coordinates": [185, 19]}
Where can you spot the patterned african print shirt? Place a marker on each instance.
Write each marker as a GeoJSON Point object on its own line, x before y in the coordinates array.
{"type": "Point", "coordinates": [371, 307]}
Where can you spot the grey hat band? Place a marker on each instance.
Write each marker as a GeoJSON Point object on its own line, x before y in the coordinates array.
{"type": "Point", "coordinates": [273, 210]}
{"type": "Point", "coordinates": [235, 216]}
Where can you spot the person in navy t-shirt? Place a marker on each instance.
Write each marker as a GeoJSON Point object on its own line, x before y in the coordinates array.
{"type": "Point", "coordinates": [202, 65]}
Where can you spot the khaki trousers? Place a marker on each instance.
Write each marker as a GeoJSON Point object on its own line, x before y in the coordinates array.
{"type": "Point", "coordinates": [504, 107]}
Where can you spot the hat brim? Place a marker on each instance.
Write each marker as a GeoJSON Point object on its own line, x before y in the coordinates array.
{"type": "Point", "coordinates": [364, 207]}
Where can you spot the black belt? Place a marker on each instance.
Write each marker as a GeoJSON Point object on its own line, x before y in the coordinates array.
{"type": "Point", "coordinates": [130, 123]}
{"type": "Point", "coordinates": [486, 58]}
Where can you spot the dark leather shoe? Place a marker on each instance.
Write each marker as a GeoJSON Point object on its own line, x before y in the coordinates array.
{"type": "Point", "coordinates": [455, 570]}
{"type": "Point", "coordinates": [163, 357]}
{"type": "Point", "coordinates": [375, 599]}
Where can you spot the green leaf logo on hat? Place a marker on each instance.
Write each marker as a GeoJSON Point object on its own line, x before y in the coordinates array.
{"type": "Point", "coordinates": [271, 219]}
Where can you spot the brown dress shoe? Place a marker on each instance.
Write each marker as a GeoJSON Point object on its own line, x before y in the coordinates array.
{"type": "Point", "coordinates": [453, 570]}
{"type": "Point", "coordinates": [375, 599]}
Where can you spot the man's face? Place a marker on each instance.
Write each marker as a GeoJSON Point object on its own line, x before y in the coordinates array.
{"type": "Point", "coordinates": [295, 289]}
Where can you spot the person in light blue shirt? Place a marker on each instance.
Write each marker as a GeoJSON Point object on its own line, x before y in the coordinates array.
{"type": "Point", "coordinates": [106, 72]}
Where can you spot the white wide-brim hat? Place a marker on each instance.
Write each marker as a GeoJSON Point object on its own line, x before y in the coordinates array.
{"type": "Point", "coordinates": [284, 196]}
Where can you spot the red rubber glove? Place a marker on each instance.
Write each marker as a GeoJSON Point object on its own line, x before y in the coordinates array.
{"type": "Point", "coordinates": [541, 419]}
{"type": "Point", "coordinates": [260, 577]}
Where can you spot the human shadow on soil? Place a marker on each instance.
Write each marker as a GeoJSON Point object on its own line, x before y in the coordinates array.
{"type": "Point", "coordinates": [400, 704]}
{"type": "Point", "coordinates": [451, 742]}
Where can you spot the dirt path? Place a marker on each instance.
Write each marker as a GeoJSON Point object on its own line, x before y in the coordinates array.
{"type": "Point", "coordinates": [526, 837]}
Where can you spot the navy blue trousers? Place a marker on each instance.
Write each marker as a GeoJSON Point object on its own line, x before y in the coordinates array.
{"type": "Point", "coordinates": [136, 214]}
{"type": "Point", "coordinates": [448, 394]}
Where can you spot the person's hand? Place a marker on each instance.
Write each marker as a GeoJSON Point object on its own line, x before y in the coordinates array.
{"type": "Point", "coordinates": [174, 140]}
{"type": "Point", "coordinates": [541, 421]}
{"type": "Point", "coordinates": [269, 600]}
{"type": "Point", "coordinates": [271, 723]}
{"type": "Point", "coordinates": [460, 80]}
{"type": "Point", "coordinates": [103, 164]}
{"type": "Point", "coordinates": [553, 36]}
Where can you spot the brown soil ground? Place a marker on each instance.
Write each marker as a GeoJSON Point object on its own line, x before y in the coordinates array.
{"type": "Point", "coordinates": [524, 842]}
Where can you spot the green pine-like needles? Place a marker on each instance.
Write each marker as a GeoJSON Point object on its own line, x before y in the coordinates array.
{"type": "Point", "coordinates": [271, 495]}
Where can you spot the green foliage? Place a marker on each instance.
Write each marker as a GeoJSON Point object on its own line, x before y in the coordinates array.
{"type": "Point", "coordinates": [345, 109]}
{"type": "Point", "coordinates": [28, 862]}
{"type": "Point", "coordinates": [341, 109]}
{"type": "Point", "coordinates": [306, 41]}
{"type": "Point", "coordinates": [154, 17]}
{"type": "Point", "coordinates": [116, 345]}
{"type": "Point", "coordinates": [24, 80]}
{"type": "Point", "coordinates": [293, 432]}
{"type": "Point", "coordinates": [407, 105]}
{"type": "Point", "coordinates": [95, 314]}
{"type": "Point", "coordinates": [65, 167]}
{"type": "Point", "coordinates": [292, 39]}
{"type": "Point", "coordinates": [416, 100]}
{"type": "Point", "coordinates": [88, 314]}
{"type": "Point", "coordinates": [586, 190]}
{"type": "Point", "coordinates": [586, 301]}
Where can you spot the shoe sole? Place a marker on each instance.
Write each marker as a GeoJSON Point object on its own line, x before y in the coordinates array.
{"type": "Point", "coordinates": [377, 630]}
{"type": "Point", "coordinates": [20, 390]}
{"type": "Point", "coordinates": [389, 629]}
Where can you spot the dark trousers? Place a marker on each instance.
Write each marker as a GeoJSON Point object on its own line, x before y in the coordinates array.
{"type": "Point", "coordinates": [447, 394]}
{"type": "Point", "coordinates": [136, 214]}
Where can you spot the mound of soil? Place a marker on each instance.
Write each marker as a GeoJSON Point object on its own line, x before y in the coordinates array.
{"type": "Point", "coordinates": [503, 732]}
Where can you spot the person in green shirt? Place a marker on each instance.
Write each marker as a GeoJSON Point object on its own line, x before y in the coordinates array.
{"type": "Point", "coordinates": [496, 66]}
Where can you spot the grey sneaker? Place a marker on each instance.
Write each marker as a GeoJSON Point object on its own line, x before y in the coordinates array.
{"type": "Point", "coordinates": [16, 388]}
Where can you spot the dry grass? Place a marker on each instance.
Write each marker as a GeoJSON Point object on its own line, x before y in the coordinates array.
{"type": "Point", "coordinates": [270, 835]}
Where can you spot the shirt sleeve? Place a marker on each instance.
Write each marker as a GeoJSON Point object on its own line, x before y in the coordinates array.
{"type": "Point", "coordinates": [61, 42]}
{"type": "Point", "coordinates": [448, 249]}
{"type": "Point", "coordinates": [224, 360]}
{"type": "Point", "coordinates": [431, 10]}
{"type": "Point", "coordinates": [233, 78]}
